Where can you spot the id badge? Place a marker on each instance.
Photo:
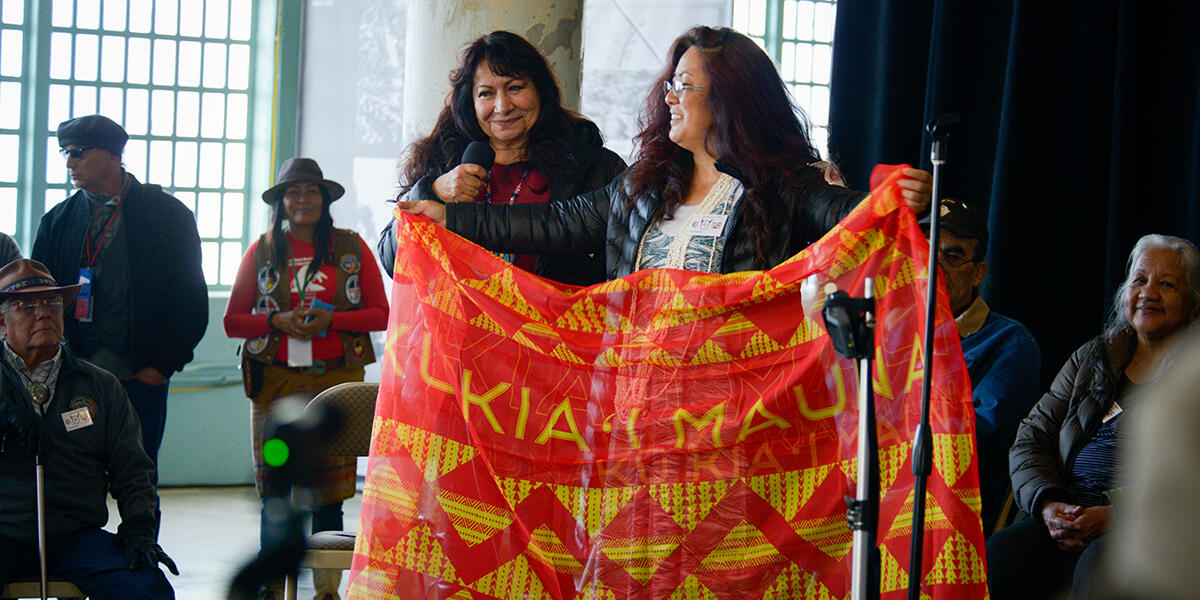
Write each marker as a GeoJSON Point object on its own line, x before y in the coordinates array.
{"type": "Point", "coordinates": [83, 302]}
{"type": "Point", "coordinates": [299, 352]}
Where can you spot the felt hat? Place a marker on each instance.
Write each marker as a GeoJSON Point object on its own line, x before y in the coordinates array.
{"type": "Point", "coordinates": [23, 276]}
{"type": "Point", "coordinates": [301, 170]}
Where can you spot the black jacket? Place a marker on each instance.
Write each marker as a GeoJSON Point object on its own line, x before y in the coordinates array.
{"type": "Point", "coordinates": [603, 221]}
{"type": "Point", "coordinates": [82, 466]}
{"type": "Point", "coordinates": [168, 294]}
{"type": "Point", "coordinates": [597, 167]}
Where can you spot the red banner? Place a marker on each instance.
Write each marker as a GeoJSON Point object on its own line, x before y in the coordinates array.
{"type": "Point", "coordinates": [666, 435]}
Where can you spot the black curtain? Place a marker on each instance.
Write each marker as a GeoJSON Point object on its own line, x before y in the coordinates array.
{"type": "Point", "coordinates": [1080, 134]}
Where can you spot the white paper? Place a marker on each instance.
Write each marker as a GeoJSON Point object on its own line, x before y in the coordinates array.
{"type": "Point", "coordinates": [299, 352]}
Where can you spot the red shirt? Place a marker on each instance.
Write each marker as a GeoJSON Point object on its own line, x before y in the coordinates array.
{"type": "Point", "coordinates": [504, 180]}
{"type": "Point", "coordinates": [240, 323]}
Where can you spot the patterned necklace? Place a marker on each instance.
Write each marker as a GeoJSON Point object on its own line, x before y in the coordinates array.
{"type": "Point", "coordinates": [39, 391]}
{"type": "Point", "coordinates": [511, 199]}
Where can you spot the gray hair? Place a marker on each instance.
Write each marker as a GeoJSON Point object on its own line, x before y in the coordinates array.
{"type": "Point", "coordinates": [1189, 257]}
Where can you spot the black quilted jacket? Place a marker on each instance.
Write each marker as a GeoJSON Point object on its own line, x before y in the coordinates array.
{"type": "Point", "coordinates": [604, 221]}
{"type": "Point", "coordinates": [1062, 422]}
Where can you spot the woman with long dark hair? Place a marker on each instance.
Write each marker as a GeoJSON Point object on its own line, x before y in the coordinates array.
{"type": "Point", "coordinates": [503, 93]}
{"type": "Point", "coordinates": [725, 179]}
{"type": "Point", "coordinates": [305, 296]}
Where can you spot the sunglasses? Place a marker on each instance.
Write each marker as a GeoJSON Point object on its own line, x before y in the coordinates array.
{"type": "Point", "coordinates": [75, 153]}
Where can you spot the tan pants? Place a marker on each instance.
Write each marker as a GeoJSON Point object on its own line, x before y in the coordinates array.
{"type": "Point", "coordinates": [335, 478]}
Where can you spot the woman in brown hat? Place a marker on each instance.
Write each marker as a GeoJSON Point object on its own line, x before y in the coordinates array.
{"type": "Point", "coordinates": [305, 296]}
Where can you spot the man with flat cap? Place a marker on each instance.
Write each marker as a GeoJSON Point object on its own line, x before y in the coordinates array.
{"type": "Point", "coordinates": [144, 302]}
{"type": "Point", "coordinates": [1003, 359]}
{"type": "Point", "coordinates": [76, 418]}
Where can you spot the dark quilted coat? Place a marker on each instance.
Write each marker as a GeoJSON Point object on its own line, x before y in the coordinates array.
{"type": "Point", "coordinates": [604, 220]}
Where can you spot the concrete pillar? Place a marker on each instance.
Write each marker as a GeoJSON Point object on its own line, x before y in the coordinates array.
{"type": "Point", "coordinates": [439, 29]}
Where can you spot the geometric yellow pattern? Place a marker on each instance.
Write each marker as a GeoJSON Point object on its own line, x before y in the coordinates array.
{"type": "Point", "coordinates": [640, 556]}
{"type": "Point", "coordinates": [958, 562]}
{"type": "Point", "coordinates": [663, 435]}
{"type": "Point", "coordinates": [954, 454]}
{"type": "Point", "coordinates": [688, 503]}
{"type": "Point", "coordinates": [475, 521]}
{"type": "Point", "coordinates": [435, 454]}
{"type": "Point", "coordinates": [829, 534]}
{"type": "Point", "coordinates": [544, 544]}
{"type": "Point", "coordinates": [793, 583]}
{"type": "Point", "coordinates": [892, 576]}
{"type": "Point", "coordinates": [692, 589]}
{"type": "Point", "coordinates": [593, 507]}
{"type": "Point", "coordinates": [514, 580]}
{"type": "Point", "coordinates": [744, 546]}
{"type": "Point", "coordinates": [788, 492]}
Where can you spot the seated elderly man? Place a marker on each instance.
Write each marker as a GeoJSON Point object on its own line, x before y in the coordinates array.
{"type": "Point", "coordinates": [77, 418]}
{"type": "Point", "coordinates": [1002, 357]}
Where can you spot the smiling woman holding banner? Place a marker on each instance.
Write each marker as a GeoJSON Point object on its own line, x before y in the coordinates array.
{"type": "Point", "coordinates": [725, 179]}
{"type": "Point", "coordinates": [304, 298]}
{"type": "Point", "coordinates": [504, 137]}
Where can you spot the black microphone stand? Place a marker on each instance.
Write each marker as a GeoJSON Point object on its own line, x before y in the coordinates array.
{"type": "Point", "coordinates": [922, 462]}
{"type": "Point", "coordinates": [851, 325]}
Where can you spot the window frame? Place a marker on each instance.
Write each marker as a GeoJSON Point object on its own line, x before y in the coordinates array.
{"type": "Point", "coordinates": [271, 123]}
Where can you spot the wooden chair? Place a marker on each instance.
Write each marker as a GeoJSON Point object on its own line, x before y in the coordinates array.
{"type": "Point", "coordinates": [356, 404]}
{"type": "Point", "coordinates": [1008, 512]}
{"type": "Point", "coordinates": [32, 588]}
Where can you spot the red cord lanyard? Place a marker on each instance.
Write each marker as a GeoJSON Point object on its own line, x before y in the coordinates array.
{"type": "Point", "coordinates": [87, 239]}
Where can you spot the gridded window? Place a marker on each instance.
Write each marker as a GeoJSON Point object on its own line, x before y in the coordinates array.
{"type": "Point", "coordinates": [178, 76]}
{"type": "Point", "coordinates": [798, 36]}
{"type": "Point", "coordinates": [12, 40]}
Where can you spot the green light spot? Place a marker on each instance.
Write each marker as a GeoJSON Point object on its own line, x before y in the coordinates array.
{"type": "Point", "coordinates": [275, 452]}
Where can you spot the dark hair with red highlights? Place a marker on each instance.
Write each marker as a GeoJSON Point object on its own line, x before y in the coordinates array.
{"type": "Point", "coordinates": [756, 129]}
{"type": "Point", "coordinates": [508, 55]}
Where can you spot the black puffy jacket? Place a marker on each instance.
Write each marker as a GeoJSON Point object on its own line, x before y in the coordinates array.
{"type": "Point", "coordinates": [597, 166]}
{"type": "Point", "coordinates": [1050, 438]}
{"type": "Point", "coordinates": [603, 220]}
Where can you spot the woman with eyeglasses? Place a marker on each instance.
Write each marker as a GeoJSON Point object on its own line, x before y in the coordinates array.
{"type": "Point", "coordinates": [504, 94]}
{"type": "Point", "coordinates": [725, 179]}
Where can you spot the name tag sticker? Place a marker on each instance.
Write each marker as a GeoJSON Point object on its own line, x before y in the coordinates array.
{"type": "Point", "coordinates": [77, 419]}
{"type": "Point", "coordinates": [1112, 412]}
{"type": "Point", "coordinates": [707, 225]}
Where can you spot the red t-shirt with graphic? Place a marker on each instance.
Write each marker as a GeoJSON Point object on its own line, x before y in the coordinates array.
{"type": "Point", "coordinates": [241, 322]}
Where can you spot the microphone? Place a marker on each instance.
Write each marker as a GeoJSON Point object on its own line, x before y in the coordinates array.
{"type": "Point", "coordinates": [941, 124]}
{"type": "Point", "coordinates": [479, 153]}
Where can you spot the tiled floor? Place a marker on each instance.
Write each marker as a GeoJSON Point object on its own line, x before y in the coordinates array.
{"type": "Point", "coordinates": [212, 532]}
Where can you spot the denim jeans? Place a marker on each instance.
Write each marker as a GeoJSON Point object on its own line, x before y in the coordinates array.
{"type": "Point", "coordinates": [89, 559]}
{"type": "Point", "coordinates": [150, 404]}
